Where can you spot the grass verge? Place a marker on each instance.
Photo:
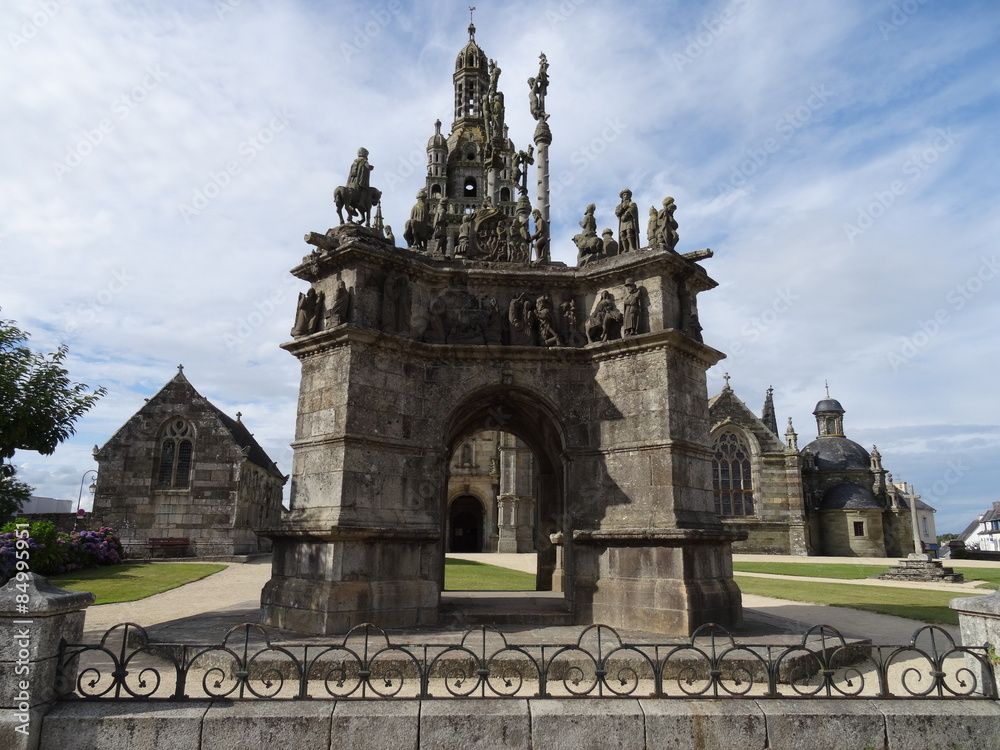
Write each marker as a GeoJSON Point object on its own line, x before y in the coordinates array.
{"type": "Point", "coordinates": [132, 581]}
{"type": "Point", "coordinates": [468, 575]}
{"type": "Point", "coordinates": [851, 571]}
{"type": "Point", "coordinates": [914, 604]}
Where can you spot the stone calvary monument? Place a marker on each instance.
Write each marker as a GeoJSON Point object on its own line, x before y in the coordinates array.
{"type": "Point", "coordinates": [405, 352]}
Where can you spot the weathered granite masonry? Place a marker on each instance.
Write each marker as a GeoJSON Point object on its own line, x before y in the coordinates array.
{"type": "Point", "coordinates": [433, 350]}
{"type": "Point", "coordinates": [630, 724]}
{"type": "Point", "coordinates": [227, 488]}
{"type": "Point", "coordinates": [35, 617]}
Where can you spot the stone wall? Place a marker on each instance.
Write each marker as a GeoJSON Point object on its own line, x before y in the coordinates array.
{"type": "Point", "coordinates": [629, 724]}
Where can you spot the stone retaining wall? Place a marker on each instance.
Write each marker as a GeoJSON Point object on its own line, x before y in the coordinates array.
{"type": "Point", "coordinates": [550, 724]}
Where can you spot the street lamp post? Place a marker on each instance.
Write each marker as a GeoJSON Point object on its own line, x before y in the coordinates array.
{"type": "Point", "coordinates": [79, 497]}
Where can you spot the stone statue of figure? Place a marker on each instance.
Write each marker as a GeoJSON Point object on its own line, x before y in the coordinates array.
{"type": "Point", "coordinates": [610, 246]}
{"type": "Point", "coordinates": [653, 227]}
{"type": "Point", "coordinates": [605, 321]}
{"type": "Point", "coordinates": [571, 324]}
{"type": "Point", "coordinates": [522, 238]}
{"type": "Point", "coordinates": [666, 225]}
{"type": "Point", "coordinates": [341, 301]}
{"type": "Point", "coordinates": [438, 221]}
{"type": "Point", "coordinates": [418, 228]}
{"type": "Point", "coordinates": [633, 309]}
{"type": "Point", "coordinates": [589, 223]}
{"type": "Point", "coordinates": [538, 87]}
{"type": "Point", "coordinates": [628, 222]}
{"type": "Point", "coordinates": [546, 318]}
{"type": "Point", "coordinates": [390, 236]}
{"type": "Point", "coordinates": [309, 314]}
{"type": "Point", "coordinates": [464, 233]}
{"type": "Point", "coordinates": [589, 246]}
{"type": "Point", "coordinates": [540, 238]}
{"type": "Point", "coordinates": [520, 173]}
{"type": "Point", "coordinates": [360, 171]}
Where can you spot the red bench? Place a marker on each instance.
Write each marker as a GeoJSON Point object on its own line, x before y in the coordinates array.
{"type": "Point", "coordinates": [178, 544]}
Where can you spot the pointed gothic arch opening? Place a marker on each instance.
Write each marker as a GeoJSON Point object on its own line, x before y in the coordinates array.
{"type": "Point", "coordinates": [733, 475]}
{"type": "Point", "coordinates": [176, 454]}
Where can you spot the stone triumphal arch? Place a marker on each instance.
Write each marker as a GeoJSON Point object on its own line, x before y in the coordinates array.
{"type": "Point", "coordinates": [599, 368]}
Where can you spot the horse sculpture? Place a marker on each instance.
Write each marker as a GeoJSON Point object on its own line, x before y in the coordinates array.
{"type": "Point", "coordinates": [357, 201]}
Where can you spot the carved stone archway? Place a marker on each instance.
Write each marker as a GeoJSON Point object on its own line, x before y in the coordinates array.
{"type": "Point", "coordinates": [421, 352]}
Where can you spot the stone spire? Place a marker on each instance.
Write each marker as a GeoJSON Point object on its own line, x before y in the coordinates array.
{"type": "Point", "coordinates": [767, 416]}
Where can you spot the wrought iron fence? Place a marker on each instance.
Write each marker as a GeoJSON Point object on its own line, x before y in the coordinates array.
{"type": "Point", "coordinates": [483, 663]}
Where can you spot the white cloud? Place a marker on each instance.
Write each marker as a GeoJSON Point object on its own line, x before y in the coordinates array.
{"type": "Point", "coordinates": [146, 105]}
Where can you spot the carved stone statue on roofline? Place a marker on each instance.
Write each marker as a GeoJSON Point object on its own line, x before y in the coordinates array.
{"type": "Point", "coordinates": [357, 196]}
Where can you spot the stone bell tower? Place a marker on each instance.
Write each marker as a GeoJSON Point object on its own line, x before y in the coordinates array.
{"type": "Point", "coordinates": [407, 352]}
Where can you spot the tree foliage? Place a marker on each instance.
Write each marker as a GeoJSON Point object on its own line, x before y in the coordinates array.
{"type": "Point", "coordinates": [39, 404]}
{"type": "Point", "coordinates": [13, 494]}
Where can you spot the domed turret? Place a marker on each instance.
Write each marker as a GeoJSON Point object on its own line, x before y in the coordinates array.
{"type": "Point", "coordinates": [831, 450]}
{"type": "Point", "coordinates": [470, 55]}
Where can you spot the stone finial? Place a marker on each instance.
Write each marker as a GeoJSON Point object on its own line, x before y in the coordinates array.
{"type": "Point", "coordinates": [725, 377]}
{"type": "Point", "coordinates": [767, 415]}
{"type": "Point", "coordinates": [791, 437]}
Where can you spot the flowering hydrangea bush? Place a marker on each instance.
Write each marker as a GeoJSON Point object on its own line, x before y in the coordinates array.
{"type": "Point", "coordinates": [53, 552]}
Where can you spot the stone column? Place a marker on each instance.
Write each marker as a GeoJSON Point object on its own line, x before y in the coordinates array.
{"type": "Point", "coordinates": [979, 619]}
{"type": "Point", "coordinates": [34, 617]}
{"type": "Point", "coordinates": [543, 139]}
{"type": "Point", "coordinates": [507, 541]}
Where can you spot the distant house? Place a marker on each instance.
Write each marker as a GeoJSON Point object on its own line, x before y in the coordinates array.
{"type": "Point", "coordinates": [182, 469]}
{"type": "Point", "coordinates": [984, 533]}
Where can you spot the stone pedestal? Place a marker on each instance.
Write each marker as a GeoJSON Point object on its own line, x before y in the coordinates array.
{"type": "Point", "coordinates": [979, 619]}
{"type": "Point", "coordinates": [34, 617]}
{"type": "Point", "coordinates": [920, 567]}
{"type": "Point", "coordinates": [662, 581]}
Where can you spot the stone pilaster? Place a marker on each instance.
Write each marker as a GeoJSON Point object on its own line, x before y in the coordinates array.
{"type": "Point", "coordinates": [35, 617]}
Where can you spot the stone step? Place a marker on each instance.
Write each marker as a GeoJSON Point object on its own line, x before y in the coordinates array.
{"type": "Point", "coordinates": [480, 608]}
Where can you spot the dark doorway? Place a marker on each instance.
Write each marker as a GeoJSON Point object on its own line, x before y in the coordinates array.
{"type": "Point", "coordinates": [465, 525]}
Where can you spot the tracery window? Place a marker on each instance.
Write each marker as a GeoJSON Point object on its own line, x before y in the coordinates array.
{"type": "Point", "coordinates": [176, 451]}
{"type": "Point", "coordinates": [732, 477]}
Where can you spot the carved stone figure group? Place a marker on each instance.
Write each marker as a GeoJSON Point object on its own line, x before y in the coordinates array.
{"type": "Point", "coordinates": [661, 230]}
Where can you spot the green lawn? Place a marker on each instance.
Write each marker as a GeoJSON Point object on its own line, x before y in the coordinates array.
{"type": "Point", "coordinates": [848, 571]}
{"type": "Point", "coordinates": [915, 604]}
{"type": "Point", "coordinates": [132, 581]}
{"type": "Point", "coordinates": [467, 575]}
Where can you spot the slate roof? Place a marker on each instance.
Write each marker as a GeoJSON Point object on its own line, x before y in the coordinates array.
{"type": "Point", "coordinates": [849, 497]}
{"type": "Point", "coordinates": [838, 453]}
{"type": "Point", "coordinates": [245, 440]}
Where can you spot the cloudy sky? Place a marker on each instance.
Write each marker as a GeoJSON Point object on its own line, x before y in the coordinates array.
{"type": "Point", "coordinates": [162, 161]}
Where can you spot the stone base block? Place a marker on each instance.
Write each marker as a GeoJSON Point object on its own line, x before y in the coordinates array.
{"type": "Point", "coordinates": [444, 725]}
{"type": "Point", "coordinates": [123, 724]}
{"type": "Point", "coordinates": [701, 724]}
{"type": "Point", "coordinates": [587, 725]}
{"type": "Point", "coordinates": [662, 589]}
{"type": "Point", "coordinates": [232, 725]}
{"type": "Point", "coordinates": [826, 725]}
{"type": "Point", "coordinates": [326, 587]}
{"type": "Point", "coordinates": [394, 724]}
{"type": "Point", "coordinates": [334, 607]}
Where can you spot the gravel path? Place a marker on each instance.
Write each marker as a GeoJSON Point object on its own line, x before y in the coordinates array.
{"type": "Point", "coordinates": [239, 586]}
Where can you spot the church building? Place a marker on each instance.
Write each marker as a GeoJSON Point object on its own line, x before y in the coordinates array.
{"type": "Point", "coordinates": [181, 469]}
{"type": "Point", "coordinates": [831, 497]}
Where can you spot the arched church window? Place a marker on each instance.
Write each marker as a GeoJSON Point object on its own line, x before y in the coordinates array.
{"type": "Point", "coordinates": [732, 477]}
{"type": "Point", "coordinates": [470, 187]}
{"type": "Point", "coordinates": [505, 194]}
{"type": "Point", "coordinates": [176, 452]}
